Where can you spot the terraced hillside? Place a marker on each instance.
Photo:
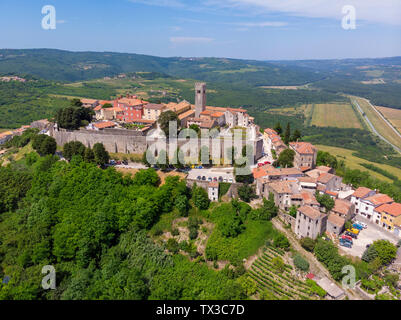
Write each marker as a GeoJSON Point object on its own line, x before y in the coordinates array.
{"type": "Point", "coordinates": [278, 284]}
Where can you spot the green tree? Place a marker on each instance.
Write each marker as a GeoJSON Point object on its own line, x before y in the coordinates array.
{"type": "Point", "coordinates": [89, 156]}
{"type": "Point", "coordinates": [146, 177]}
{"type": "Point", "coordinates": [76, 102]}
{"type": "Point", "coordinates": [278, 128]}
{"type": "Point", "coordinates": [296, 135]}
{"type": "Point", "coordinates": [165, 119]}
{"type": "Point", "coordinates": [246, 193]}
{"type": "Point", "coordinates": [286, 159]}
{"type": "Point", "coordinates": [45, 145]}
{"type": "Point", "coordinates": [308, 244]}
{"type": "Point", "coordinates": [287, 134]}
{"type": "Point", "coordinates": [386, 251]}
{"type": "Point", "coordinates": [102, 157]}
{"type": "Point", "coordinates": [325, 201]}
{"type": "Point", "coordinates": [200, 197]}
{"type": "Point", "coordinates": [73, 148]}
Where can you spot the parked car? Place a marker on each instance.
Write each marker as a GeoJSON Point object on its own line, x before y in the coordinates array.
{"type": "Point", "coordinates": [364, 225]}
{"type": "Point", "coordinates": [357, 226]}
{"type": "Point", "coordinates": [199, 178]}
{"type": "Point", "coordinates": [112, 162]}
{"type": "Point", "coordinates": [352, 235]}
{"type": "Point", "coordinates": [118, 163]}
{"type": "Point", "coordinates": [346, 244]}
{"type": "Point", "coordinates": [267, 162]}
{"type": "Point", "coordinates": [125, 163]}
{"type": "Point", "coordinates": [260, 164]}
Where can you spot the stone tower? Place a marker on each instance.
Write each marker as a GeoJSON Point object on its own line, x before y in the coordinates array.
{"type": "Point", "coordinates": [200, 98]}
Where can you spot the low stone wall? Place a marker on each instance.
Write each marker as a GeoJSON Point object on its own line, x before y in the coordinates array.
{"type": "Point", "coordinates": [288, 219]}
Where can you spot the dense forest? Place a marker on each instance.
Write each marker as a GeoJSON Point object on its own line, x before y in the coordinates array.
{"type": "Point", "coordinates": [101, 232]}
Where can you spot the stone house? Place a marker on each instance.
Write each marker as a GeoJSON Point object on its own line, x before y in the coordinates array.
{"type": "Point", "coordinates": [310, 222]}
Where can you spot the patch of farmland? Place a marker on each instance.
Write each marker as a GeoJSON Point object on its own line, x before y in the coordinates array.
{"type": "Point", "coordinates": [392, 115]}
{"type": "Point", "coordinates": [278, 284]}
{"type": "Point", "coordinates": [335, 115]}
{"type": "Point", "coordinates": [354, 162]}
{"type": "Point", "coordinates": [380, 125]}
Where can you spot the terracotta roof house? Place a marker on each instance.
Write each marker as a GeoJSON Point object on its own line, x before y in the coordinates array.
{"type": "Point", "coordinates": [357, 197]}
{"type": "Point", "coordinates": [310, 222]}
{"type": "Point", "coordinates": [305, 155]}
{"type": "Point", "coordinates": [335, 223]}
{"type": "Point", "coordinates": [344, 208]}
{"type": "Point", "coordinates": [330, 181]}
{"type": "Point", "coordinates": [282, 192]}
{"type": "Point", "coordinates": [390, 215]}
{"type": "Point", "coordinates": [368, 206]}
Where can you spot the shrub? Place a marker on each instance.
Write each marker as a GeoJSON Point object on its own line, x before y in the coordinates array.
{"type": "Point", "coordinates": [193, 234]}
{"type": "Point", "coordinates": [308, 244]}
{"type": "Point", "coordinates": [175, 232]}
{"type": "Point", "coordinates": [281, 241]}
{"type": "Point", "coordinates": [301, 263]}
{"type": "Point", "coordinates": [172, 245]}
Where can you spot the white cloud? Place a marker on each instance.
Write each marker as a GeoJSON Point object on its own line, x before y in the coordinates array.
{"type": "Point", "coordinates": [262, 24]}
{"type": "Point", "coordinates": [160, 3]}
{"type": "Point", "coordinates": [184, 40]}
{"type": "Point", "coordinates": [382, 11]}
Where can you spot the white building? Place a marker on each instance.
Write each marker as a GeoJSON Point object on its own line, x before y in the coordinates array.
{"type": "Point", "coordinates": [360, 194]}
{"type": "Point", "coordinates": [369, 204]}
{"type": "Point", "coordinates": [213, 191]}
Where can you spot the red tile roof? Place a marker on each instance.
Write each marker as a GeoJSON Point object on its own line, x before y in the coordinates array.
{"type": "Point", "coordinates": [259, 173]}
{"type": "Point", "coordinates": [393, 209]}
{"type": "Point", "coordinates": [336, 220]}
{"type": "Point", "coordinates": [303, 147]}
{"type": "Point", "coordinates": [379, 199]}
{"type": "Point", "coordinates": [361, 192]}
{"type": "Point", "coordinates": [342, 206]}
{"type": "Point", "coordinates": [310, 212]}
{"type": "Point", "coordinates": [325, 177]}
{"type": "Point", "coordinates": [105, 124]}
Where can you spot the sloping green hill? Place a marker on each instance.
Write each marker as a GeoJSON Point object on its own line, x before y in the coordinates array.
{"type": "Point", "coordinates": [61, 65]}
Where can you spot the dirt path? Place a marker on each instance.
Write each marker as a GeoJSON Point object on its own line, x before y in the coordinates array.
{"type": "Point", "coordinates": [315, 265]}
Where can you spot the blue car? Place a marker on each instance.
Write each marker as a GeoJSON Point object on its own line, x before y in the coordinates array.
{"type": "Point", "coordinates": [357, 226]}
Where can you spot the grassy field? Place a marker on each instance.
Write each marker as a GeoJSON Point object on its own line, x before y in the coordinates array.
{"type": "Point", "coordinates": [380, 125]}
{"type": "Point", "coordinates": [392, 115]}
{"type": "Point", "coordinates": [335, 115]}
{"type": "Point", "coordinates": [354, 162]}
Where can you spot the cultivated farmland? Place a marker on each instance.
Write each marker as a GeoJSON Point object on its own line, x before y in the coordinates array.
{"type": "Point", "coordinates": [354, 162]}
{"type": "Point", "coordinates": [380, 125]}
{"type": "Point", "coordinates": [335, 115]}
{"type": "Point", "coordinates": [392, 115]}
{"type": "Point", "coordinates": [278, 284]}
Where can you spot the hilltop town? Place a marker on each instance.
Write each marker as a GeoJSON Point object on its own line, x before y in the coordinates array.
{"type": "Point", "coordinates": [309, 201]}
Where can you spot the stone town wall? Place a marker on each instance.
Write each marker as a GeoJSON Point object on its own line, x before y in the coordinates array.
{"type": "Point", "coordinates": [128, 141]}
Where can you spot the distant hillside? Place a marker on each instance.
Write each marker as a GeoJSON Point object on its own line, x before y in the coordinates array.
{"type": "Point", "coordinates": [69, 66]}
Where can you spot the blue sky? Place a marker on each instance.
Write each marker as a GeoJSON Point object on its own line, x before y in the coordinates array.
{"type": "Point", "coordinates": [252, 29]}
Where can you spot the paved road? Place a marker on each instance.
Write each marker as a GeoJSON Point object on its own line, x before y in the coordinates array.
{"type": "Point", "coordinates": [373, 128]}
